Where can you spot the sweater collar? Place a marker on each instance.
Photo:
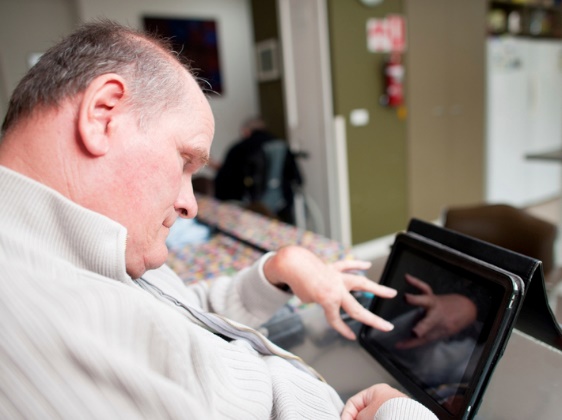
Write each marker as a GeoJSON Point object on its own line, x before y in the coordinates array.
{"type": "Point", "coordinates": [44, 219]}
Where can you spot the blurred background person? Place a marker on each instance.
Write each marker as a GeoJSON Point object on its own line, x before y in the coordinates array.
{"type": "Point", "coordinates": [260, 172]}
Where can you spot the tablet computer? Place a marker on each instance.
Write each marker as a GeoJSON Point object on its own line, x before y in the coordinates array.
{"type": "Point", "coordinates": [452, 318]}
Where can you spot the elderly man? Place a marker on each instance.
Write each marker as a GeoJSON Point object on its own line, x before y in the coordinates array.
{"type": "Point", "coordinates": [99, 145]}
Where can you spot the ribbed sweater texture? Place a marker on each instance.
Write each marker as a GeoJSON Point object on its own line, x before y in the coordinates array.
{"type": "Point", "coordinates": [79, 339]}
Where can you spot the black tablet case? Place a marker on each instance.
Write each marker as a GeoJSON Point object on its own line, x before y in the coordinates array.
{"type": "Point", "coordinates": [535, 317]}
{"type": "Point", "coordinates": [412, 240]}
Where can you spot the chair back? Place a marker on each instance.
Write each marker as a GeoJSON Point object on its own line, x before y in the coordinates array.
{"type": "Point", "coordinates": [506, 226]}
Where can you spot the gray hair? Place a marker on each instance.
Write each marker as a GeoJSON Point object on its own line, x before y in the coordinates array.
{"type": "Point", "coordinates": [152, 71]}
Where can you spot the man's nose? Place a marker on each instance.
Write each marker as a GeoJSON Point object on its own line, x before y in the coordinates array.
{"type": "Point", "coordinates": [186, 205]}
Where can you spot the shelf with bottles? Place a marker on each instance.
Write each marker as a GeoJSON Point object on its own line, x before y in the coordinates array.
{"type": "Point", "coordinates": [537, 19]}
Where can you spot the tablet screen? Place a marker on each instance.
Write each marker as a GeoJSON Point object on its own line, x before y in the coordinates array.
{"type": "Point", "coordinates": [444, 316]}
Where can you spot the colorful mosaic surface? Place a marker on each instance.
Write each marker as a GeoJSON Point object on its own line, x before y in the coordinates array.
{"type": "Point", "coordinates": [265, 232]}
{"type": "Point", "coordinates": [223, 254]}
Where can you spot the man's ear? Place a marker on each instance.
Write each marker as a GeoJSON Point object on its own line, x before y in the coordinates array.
{"type": "Point", "coordinates": [97, 111]}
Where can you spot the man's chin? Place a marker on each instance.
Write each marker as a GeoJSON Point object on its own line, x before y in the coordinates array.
{"type": "Point", "coordinates": [149, 263]}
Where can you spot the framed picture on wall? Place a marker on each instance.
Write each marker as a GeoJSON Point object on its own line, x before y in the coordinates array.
{"type": "Point", "coordinates": [196, 40]}
{"type": "Point", "coordinates": [267, 60]}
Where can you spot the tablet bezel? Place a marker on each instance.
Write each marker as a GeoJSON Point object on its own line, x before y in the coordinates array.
{"type": "Point", "coordinates": [500, 328]}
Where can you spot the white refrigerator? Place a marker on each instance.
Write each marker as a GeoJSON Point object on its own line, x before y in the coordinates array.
{"type": "Point", "coordinates": [524, 116]}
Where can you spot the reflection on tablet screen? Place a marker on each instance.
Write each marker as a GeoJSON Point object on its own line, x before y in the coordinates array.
{"type": "Point", "coordinates": [442, 317]}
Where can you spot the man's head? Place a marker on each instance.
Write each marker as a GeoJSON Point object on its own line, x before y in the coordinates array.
{"type": "Point", "coordinates": [111, 119]}
{"type": "Point", "coordinates": [94, 49]}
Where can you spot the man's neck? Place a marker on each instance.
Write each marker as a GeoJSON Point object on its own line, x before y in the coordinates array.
{"type": "Point", "coordinates": [33, 148]}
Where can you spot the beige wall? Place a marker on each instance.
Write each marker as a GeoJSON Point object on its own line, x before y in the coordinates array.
{"type": "Point", "coordinates": [26, 27]}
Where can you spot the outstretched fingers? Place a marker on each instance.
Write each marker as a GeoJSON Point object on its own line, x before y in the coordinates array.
{"type": "Point", "coordinates": [355, 310]}
{"type": "Point", "coordinates": [360, 283]}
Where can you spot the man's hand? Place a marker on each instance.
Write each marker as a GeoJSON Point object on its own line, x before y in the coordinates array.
{"type": "Point", "coordinates": [365, 404]}
{"type": "Point", "coordinates": [445, 315]}
{"type": "Point", "coordinates": [329, 285]}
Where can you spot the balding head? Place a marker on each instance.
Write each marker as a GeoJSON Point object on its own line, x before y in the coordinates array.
{"type": "Point", "coordinates": [148, 65]}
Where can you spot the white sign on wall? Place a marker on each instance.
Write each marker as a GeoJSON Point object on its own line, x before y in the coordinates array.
{"type": "Point", "coordinates": [387, 34]}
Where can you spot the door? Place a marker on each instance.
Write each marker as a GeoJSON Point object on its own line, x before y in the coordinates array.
{"type": "Point", "coordinates": [308, 98]}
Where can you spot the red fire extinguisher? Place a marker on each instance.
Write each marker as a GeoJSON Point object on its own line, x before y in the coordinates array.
{"type": "Point", "coordinates": [393, 81]}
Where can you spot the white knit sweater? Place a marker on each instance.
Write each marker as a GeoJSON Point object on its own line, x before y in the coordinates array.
{"type": "Point", "coordinates": [80, 339]}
